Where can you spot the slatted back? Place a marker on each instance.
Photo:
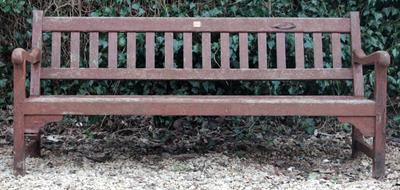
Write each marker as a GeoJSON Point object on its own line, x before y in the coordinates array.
{"type": "Point", "coordinates": [263, 28]}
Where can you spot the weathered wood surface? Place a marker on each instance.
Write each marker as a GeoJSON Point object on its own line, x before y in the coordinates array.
{"type": "Point", "coordinates": [318, 57]}
{"type": "Point", "coordinates": [37, 29]}
{"type": "Point", "coordinates": [131, 50]}
{"type": "Point", "coordinates": [150, 54]}
{"type": "Point", "coordinates": [358, 78]}
{"type": "Point", "coordinates": [280, 51]}
{"type": "Point", "coordinates": [299, 50]}
{"type": "Point", "coordinates": [94, 50]}
{"type": "Point", "coordinates": [196, 74]}
{"type": "Point", "coordinates": [56, 50]}
{"type": "Point", "coordinates": [178, 24]}
{"type": "Point", "coordinates": [262, 50]}
{"type": "Point", "coordinates": [336, 50]}
{"type": "Point", "coordinates": [169, 50]}
{"type": "Point", "coordinates": [112, 50]}
{"type": "Point", "coordinates": [243, 51]}
{"type": "Point", "coordinates": [75, 50]}
{"type": "Point", "coordinates": [201, 105]}
{"type": "Point", "coordinates": [206, 50]}
{"type": "Point", "coordinates": [225, 57]}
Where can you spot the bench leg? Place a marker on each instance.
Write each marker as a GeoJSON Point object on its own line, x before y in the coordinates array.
{"type": "Point", "coordinates": [19, 144]}
{"type": "Point", "coordinates": [378, 168]}
{"type": "Point", "coordinates": [355, 136]}
{"type": "Point", "coordinates": [33, 148]}
{"type": "Point", "coordinates": [370, 127]}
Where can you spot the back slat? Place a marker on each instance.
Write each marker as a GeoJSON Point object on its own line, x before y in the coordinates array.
{"type": "Point", "coordinates": [94, 49]}
{"type": "Point", "coordinates": [317, 40]}
{"type": "Point", "coordinates": [262, 51]}
{"type": "Point", "coordinates": [150, 50]}
{"type": "Point", "coordinates": [112, 50]}
{"type": "Point", "coordinates": [225, 63]}
{"type": "Point", "coordinates": [336, 50]}
{"type": "Point", "coordinates": [131, 50]}
{"type": "Point", "coordinates": [280, 50]}
{"type": "Point", "coordinates": [55, 49]}
{"type": "Point", "coordinates": [75, 41]}
{"type": "Point", "coordinates": [206, 50]}
{"type": "Point", "coordinates": [243, 50]}
{"type": "Point", "coordinates": [157, 24]}
{"type": "Point", "coordinates": [187, 51]}
{"type": "Point", "coordinates": [169, 50]}
{"type": "Point", "coordinates": [299, 50]}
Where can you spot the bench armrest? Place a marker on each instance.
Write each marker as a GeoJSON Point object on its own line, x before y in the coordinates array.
{"type": "Point", "coordinates": [19, 56]}
{"type": "Point", "coordinates": [381, 58]}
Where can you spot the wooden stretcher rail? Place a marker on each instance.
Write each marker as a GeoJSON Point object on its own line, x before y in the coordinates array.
{"type": "Point", "coordinates": [196, 74]}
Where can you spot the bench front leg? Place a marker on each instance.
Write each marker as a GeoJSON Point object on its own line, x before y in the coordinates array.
{"type": "Point", "coordinates": [380, 124]}
{"type": "Point", "coordinates": [19, 144]}
{"type": "Point", "coordinates": [381, 60]}
{"type": "Point", "coordinates": [19, 58]}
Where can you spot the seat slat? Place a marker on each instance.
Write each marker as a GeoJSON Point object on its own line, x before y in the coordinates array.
{"type": "Point", "coordinates": [299, 50]}
{"type": "Point", "coordinates": [336, 50]}
{"type": "Point", "coordinates": [187, 51]}
{"type": "Point", "coordinates": [94, 49]}
{"type": "Point", "coordinates": [112, 50]}
{"type": "Point", "coordinates": [262, 51]}
{"type": "Point", "coordinates": [206, 50]}
{"type": "Point", "coordinates": [169, 50]}
{"type": "Point", "coordinates": [157, 24]}
{"type": "Point", "coordinates": [201, 105]}
{"type": "Point", "coordinates": [75, 47]}
{"type": "Point", "coordinates": [243, 50]}
{"type": "Point", "coordinates": [225, 63]}
{"type": "Point", "coordinates": [196, 74]}
{"type": "Point", "coordinates": [280, 50]}
{"type": "Point", "coordinates": [317, 40]}
{"type": "Point", "coordinates": [150, 56]}
{"type": "Point", "coordinates": [131, 50]}
{"type": "Point", "coordinates": [56, 49]}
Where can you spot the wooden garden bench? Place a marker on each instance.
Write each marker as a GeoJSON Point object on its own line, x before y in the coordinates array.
{"type": "Point", "coordinates": [31, 113]}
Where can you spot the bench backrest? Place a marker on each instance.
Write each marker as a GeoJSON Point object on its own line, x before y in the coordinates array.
{"type": "Point", "coordinates": [224, 26]}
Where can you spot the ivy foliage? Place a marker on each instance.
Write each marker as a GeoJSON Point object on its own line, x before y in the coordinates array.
{"type": "Point", "coordinates": [380, 21]}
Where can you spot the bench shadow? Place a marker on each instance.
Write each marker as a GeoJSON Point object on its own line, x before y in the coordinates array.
{"type": "Point", "coordinates": [295, 153]}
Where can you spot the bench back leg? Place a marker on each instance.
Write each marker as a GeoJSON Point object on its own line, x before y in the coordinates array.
{"type": "Point", "coordinates": [355, 134]}
{"type": "Point", "coordinates": [33, 148]}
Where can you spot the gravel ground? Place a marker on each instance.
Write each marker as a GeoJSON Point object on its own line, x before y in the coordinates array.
{"type": "Point", "coordinates": [251, 169]}
{"type": "Point", "coordinates": [130, 153]}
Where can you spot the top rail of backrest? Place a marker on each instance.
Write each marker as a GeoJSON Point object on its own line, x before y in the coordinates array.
{"type": "Point", "coordinates": [194, 24]}
{"type": "Point", "coordinates": [187, 25]}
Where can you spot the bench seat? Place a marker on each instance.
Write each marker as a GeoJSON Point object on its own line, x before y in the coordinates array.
{"type": "Point", "coordinates": [200, 105]}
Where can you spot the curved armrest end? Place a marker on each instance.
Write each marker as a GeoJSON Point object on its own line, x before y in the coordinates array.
{"type": "Point", "coordinates": [379, 57]}
{"type": "Point", "coordinates": [383, 58]}
{"type": "Point", "coordinates": [20, 55]}
{"type": "Point", "coordinates": [17, 56]}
